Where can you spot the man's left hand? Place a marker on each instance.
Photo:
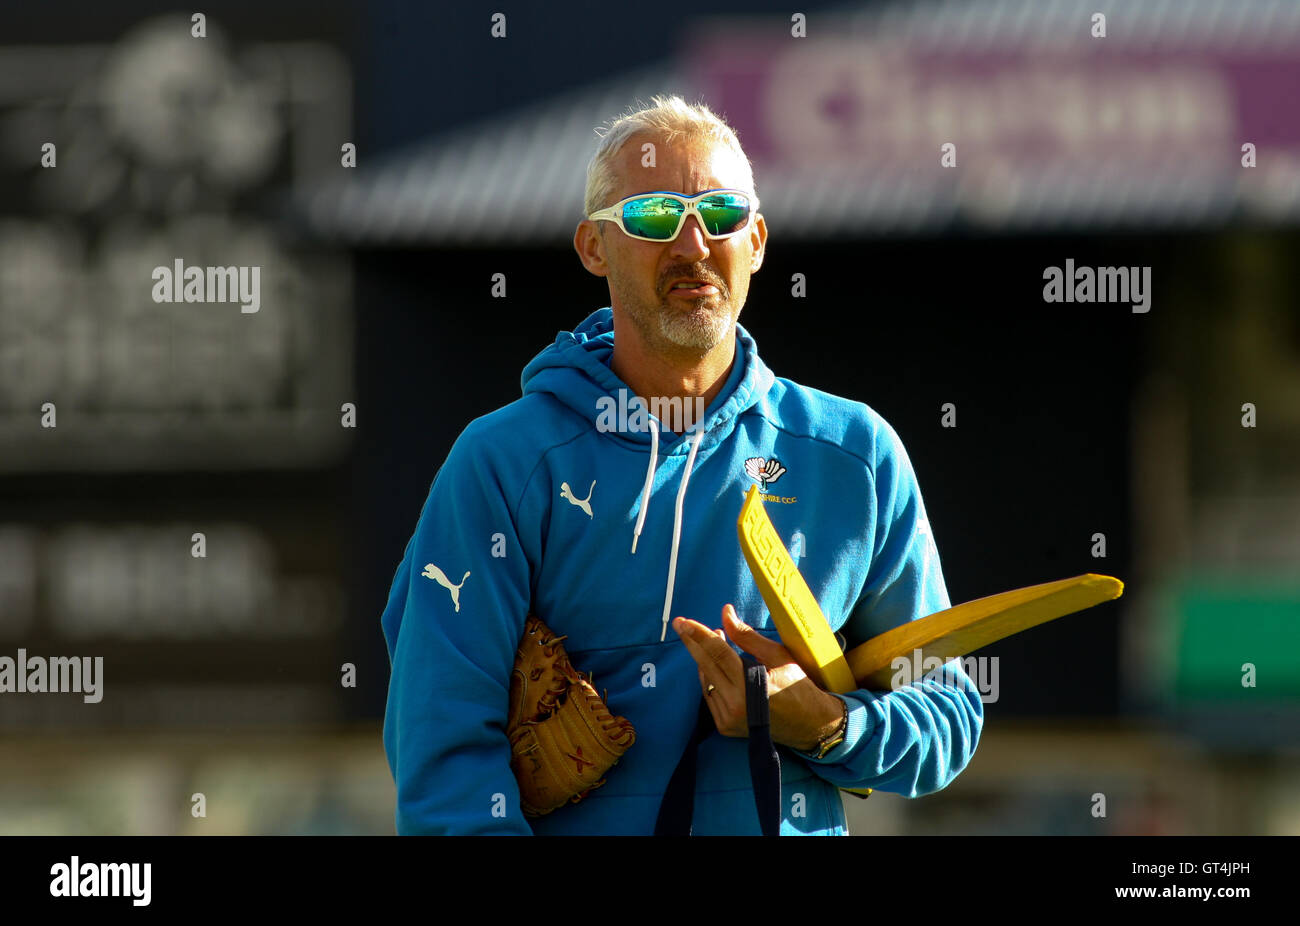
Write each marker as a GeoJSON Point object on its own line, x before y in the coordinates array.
{"type": "Point", "coordinates": [802, 715]}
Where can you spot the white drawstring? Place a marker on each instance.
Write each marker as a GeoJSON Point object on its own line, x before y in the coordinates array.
{"type": "Point", "coordinates": [677, 533]}
{"type": "Point", "coordinates": [649, 478]}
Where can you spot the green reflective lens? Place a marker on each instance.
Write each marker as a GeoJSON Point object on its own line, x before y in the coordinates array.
{"type": "Point", "coordinates": [653, 217]}
{"type": "Point", "coordinates": [724, 213]}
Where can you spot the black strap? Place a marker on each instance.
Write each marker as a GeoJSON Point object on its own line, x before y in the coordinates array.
{"type": "Point", "coordinates": [678, 806]}
{"type": "Point", "coordinates": [764, 763]}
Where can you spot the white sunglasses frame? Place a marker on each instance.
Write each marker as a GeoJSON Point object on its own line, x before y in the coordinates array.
{"type": "Point", "coordinates": [614, 213]}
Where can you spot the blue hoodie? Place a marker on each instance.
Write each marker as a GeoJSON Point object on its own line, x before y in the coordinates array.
{"type": "Point", "coordinates": [539, 507]}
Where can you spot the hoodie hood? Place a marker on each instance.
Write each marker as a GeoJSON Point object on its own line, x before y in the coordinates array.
{"type": "Point", "coordinates": [575, 369]}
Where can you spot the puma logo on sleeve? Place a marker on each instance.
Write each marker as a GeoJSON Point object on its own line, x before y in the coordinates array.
{"type": "Point", "coordinates": [433, 572]}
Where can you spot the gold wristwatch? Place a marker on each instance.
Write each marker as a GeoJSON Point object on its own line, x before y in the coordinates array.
{"type": "Point", "coordinates": [832, 739]}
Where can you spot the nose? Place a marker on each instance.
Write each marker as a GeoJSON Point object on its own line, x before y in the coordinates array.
{"type": "Point", "coordinates": [691, 245]}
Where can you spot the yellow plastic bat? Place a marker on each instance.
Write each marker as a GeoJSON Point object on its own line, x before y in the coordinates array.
{"type": "Point", "coordinates": [967, 627]}
{"type": "Point", "coordinates": [946, 634]}
{"type": "Point", "coordinates": [795, 612]}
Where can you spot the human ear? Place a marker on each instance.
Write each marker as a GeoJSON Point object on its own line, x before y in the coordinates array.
{"type": "Point", "coordinates": [757, 242]}
{"type": "Point", "coordinates": [590, 245]}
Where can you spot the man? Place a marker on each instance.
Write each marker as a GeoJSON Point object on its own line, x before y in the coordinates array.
{"type": "Point", "coordinates": [605, 525]}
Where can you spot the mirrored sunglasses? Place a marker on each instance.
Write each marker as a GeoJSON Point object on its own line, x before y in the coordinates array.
{"type": "Point", "coordinates": [660, 216]}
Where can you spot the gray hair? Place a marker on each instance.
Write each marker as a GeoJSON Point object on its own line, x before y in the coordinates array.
{"type": "Point", "coordinates": [668, 115]}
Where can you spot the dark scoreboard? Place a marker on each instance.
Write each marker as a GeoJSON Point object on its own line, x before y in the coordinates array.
{"type": "Point", "coordinates": [171, 455]}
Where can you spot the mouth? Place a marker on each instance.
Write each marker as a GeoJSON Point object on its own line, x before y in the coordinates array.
{"type": "Point", "coordinates": [692, 289]}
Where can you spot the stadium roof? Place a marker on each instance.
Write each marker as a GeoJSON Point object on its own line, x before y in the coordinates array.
{"type": "Point", "coordinates": [518, 177]}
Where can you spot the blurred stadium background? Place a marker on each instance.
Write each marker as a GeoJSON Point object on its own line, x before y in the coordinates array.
{"type": "Point", "coordinates": [924, 286]}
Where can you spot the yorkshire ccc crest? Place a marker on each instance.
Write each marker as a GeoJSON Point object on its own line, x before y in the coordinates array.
{"type": "Point", "coordinates": [764, 472]}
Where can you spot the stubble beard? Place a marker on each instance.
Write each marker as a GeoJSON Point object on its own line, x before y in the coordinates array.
{"type": "Point", "coordinates": [674, 323]}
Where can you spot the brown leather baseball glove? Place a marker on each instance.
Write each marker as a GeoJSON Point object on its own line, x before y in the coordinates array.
{"type": "Point", "coordinates": [563, 737]}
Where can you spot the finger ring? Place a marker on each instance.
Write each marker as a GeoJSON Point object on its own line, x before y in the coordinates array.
{"type": "Point", "coordinates": [709, 690]}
